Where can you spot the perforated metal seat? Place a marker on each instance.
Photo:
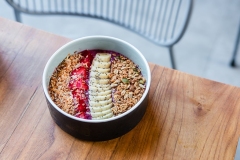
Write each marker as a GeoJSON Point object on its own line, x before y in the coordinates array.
{"type": "Point", "coordinates": [162, 22]}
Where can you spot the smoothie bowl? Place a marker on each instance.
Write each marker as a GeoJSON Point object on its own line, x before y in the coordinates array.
{"type": "Point", "coordinates": [97, 87]}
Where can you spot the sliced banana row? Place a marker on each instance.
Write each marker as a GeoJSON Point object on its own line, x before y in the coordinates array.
{"type": "Point", "coordinates": [100, 94]}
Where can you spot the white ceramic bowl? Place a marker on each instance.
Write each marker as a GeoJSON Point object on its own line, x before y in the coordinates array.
{"type": "Point", "coordinates": [97, 129]}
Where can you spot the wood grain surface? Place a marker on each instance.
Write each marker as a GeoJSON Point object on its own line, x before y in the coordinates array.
{"type": "Point", "coordinates": [187, 117]}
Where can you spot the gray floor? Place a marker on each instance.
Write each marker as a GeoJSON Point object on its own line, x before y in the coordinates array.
{"type": "Point", "coordinates": [204, 51]}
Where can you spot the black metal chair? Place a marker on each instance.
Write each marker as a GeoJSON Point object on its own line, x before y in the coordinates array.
{"type": "Point", "coordinates": [162, 22]}
{"type": "Point", "coordinates": [235, 50]}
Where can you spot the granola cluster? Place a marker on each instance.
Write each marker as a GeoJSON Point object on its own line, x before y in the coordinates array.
{"type": "Point", "coordinates": [58, 86]}
{"type": "Point", "coordinates": [127, 83]}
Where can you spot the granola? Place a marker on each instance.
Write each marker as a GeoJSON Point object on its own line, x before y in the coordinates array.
{"type": "Point", "coordinates": [128, 84]}
{"type": "Point", "coordinates": [58, 86]}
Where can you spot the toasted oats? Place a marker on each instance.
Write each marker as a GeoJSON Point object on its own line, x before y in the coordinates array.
{"type": "Point", "coordinates": [58, 86]}
{"type": "Point", "coordinates": [128, 90]}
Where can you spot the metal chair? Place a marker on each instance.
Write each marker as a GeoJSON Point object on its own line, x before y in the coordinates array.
{"type": "Point", "coordinates": [162, 22]}
{"type": "Point", "coordinates": [235, 50]}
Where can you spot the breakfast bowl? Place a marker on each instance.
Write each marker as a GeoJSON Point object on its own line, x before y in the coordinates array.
{"type": "Point", "coordinates": [98, 121]}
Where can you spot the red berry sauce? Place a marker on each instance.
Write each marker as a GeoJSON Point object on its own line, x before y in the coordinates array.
{"type": "Point", "coordinates": [79, 85]}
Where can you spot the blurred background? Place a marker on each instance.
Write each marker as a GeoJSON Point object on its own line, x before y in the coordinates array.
{"type": "Point", "coordinates": [205, 49]}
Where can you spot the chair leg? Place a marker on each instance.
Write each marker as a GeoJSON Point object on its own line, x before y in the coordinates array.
{"type": "Point", "coordinates": [17, 16]}
{"type": "Point", "coordinates": [233, 64]}
{"type": "Point", "coordinates": [172, 57]}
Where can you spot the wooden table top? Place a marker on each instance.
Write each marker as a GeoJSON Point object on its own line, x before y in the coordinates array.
{"type": "Point", "coordinates": [188, 117]}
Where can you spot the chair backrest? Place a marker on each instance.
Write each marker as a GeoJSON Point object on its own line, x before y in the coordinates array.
{"type": "Point", "coordinates": [160, 21]}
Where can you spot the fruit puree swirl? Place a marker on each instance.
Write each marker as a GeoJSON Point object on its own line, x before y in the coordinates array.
{"type": "Point", "coordinates": [96, 84]}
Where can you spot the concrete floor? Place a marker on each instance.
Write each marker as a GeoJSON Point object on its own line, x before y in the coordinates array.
{"type": "Point", "coordinates": [205, 50]}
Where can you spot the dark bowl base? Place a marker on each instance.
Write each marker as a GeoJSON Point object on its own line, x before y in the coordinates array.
{"type": "Point", "coordinates": [99, 131]}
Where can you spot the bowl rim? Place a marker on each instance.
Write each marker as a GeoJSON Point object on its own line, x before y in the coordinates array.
{"type": "Point", "coordinates": [45, 87]}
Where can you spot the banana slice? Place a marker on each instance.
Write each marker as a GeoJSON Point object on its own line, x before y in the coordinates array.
{"type": "Point", "coordinates": [100, 93]}
{"type": "Point", "coordinates": [99, 89]}
{"type": "Point", "coordinates": [103, 86]}
{"type": "Point", "coordinates": [96, 114]}
{"type": "Point", "coordinates": [101, 64]}
{"type": "Point", "coordinates": [99, 98]}
{"type": "Point", "coordinates": [100, 75]}
{"type": "Point", "coordinates": [98, 81]}
{"type": "Point", "coordinates": [98, 69]}
{"type": "Point", "coordinates": [104, 117]}
{"type": "Point", "coordinates": [109, 115]}
{"type": "Point", "coordinates": [104, 57]}
{"type": "Point", "coordinates": [101, 114]}
{"type": "Point", "coordinates": [100, 109]}
{"type": "Point", "coordinates": [100, 103]}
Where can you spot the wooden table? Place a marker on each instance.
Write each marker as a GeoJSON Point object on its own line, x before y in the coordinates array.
{"type": "Point", "coordinates": [187, 117]}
